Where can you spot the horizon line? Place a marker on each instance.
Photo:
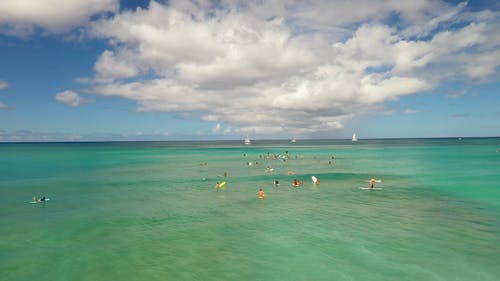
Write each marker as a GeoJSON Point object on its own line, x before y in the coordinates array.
{"type": "Point", "coordinates": [238, 140]}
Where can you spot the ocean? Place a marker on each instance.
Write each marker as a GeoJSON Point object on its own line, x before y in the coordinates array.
{"type": "Point", "coordinates": [150, 210]}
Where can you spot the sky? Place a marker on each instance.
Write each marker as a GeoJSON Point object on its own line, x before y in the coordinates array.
{"type": "Point", "coordinates": [110, 70]}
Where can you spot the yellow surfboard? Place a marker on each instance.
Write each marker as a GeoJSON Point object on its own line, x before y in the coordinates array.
{"type": "Point", "coordinates": [221, 184]}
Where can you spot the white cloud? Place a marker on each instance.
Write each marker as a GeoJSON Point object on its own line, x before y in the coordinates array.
{"type": "Point", "coordinates": [70, 98]}
{"type": "Point", "coordinates": [411, 111]}
{"type": "Point", "coordinates": [290, 65]}
{"type": "Point", "coordinates": [3, 85]}
{"type": "Point", "coordinates": [110, 66]}
{"type": "Point", "coordinates": [20, 17]}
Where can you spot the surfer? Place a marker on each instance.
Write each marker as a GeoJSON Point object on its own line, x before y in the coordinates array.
{"type": "Point", "coordinates": [217, 186]}
{"type": "Point", "coordinates": [42, 199]}
{"type": "Point", "coordinates": [276, 182]}
{"type": "Point", "coordinates": [261, 194]}
{"type": "Point", "coordinates": [372, 183]}
{"type": "Point", "coordinates": [225, 174]}
{"type": "Point", "coordinates": [35, 199]}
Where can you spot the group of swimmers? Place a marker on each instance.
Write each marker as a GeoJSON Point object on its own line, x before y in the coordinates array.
{"type": "Point", "coordinates": [284, 157]}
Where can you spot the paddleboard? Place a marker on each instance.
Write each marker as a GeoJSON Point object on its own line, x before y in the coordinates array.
{"type": "Point", "coordinates": [375, 188]}
{"type": "Point", "coordinates": [315, 180]}
{"type": "Point", "coordinates": [34, 202]}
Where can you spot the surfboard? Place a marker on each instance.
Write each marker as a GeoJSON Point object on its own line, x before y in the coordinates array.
{"type": "Point", "coordinates": [315, 180]}
{"type": "Point", "coordinates": [34, 202]}
{"type": "Point", "coordinates": [367, 188]}
{"type": "Point", "coordinates": [221, 184]}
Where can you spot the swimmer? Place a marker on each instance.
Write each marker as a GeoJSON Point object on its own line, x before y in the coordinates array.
{"type": "Point", "coordinates": [261, 194]}
{"type": "Point", "coordinates": [276, 182]}
{"type": "Point", "coordinates": [217, 186]}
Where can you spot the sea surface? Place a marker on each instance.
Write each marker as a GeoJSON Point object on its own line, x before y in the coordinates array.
{"type": "Point", "coordinates": [150, 210]}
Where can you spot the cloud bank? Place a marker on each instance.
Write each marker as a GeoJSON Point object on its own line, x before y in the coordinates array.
{"type": "Point", "coordinates": [271, 67]}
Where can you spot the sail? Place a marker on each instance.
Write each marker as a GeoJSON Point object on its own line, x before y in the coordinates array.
{"type": "Point", "coordinates": [354, 137]}
{"type": "Point", "coordinates": [247, 140]}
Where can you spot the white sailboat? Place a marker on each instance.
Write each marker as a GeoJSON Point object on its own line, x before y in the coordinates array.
{"type": "Point", "coordinates": [293, 140]}
{"type": "Point", "coordinates": [247, 140]}
{"type": "Point", "coordinates": [354, 137]}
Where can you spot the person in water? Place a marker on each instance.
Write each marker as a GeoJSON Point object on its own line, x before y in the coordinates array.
{"type": "Point", "coordinates": [42, 199]}
{"type": "Point", "coordinates": [296, 182]}
{"type": "Point", "coordinates": [261, 194]}
{"type": "Point", "coordinates": [35, 199]}
{"type": "Point", "coordinates": [372, 183]}
{"type": "Point", "coordinates": [217, 186]}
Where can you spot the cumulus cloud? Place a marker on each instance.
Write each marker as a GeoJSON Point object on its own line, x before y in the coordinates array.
{"type": "Point", "coordinates": [21, 17]}
{"type": "Point", "coordinates": [306, 66]}
{"type": "Point", "coordinates": [70, 98]}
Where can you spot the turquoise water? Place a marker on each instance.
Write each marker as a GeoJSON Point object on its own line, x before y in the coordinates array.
{"type": "Point", "coordinates": [149, 211]}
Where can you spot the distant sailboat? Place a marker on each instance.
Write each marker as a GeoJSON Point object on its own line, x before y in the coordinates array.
{"type": "Point", "coordinates": [354, 137]}
{"type": "Point", "coordinates": [293, 140]}
{"type": "Point", "coordinates": [247, 140]}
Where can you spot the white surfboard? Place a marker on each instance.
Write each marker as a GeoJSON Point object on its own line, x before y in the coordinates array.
{"type": "Point", "coordinates": [39, 201]}
{"type": "Point", "coordinates": [367, 188]}
{"type": "Point", "coordinates": [315, 179]}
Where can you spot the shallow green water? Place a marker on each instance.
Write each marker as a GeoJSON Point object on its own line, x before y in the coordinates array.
{"type": "Point", "coordinates": [149, 211]}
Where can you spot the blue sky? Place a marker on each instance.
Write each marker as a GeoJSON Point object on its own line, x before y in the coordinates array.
{"type": "Point", "coordinates": [196, 70]}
